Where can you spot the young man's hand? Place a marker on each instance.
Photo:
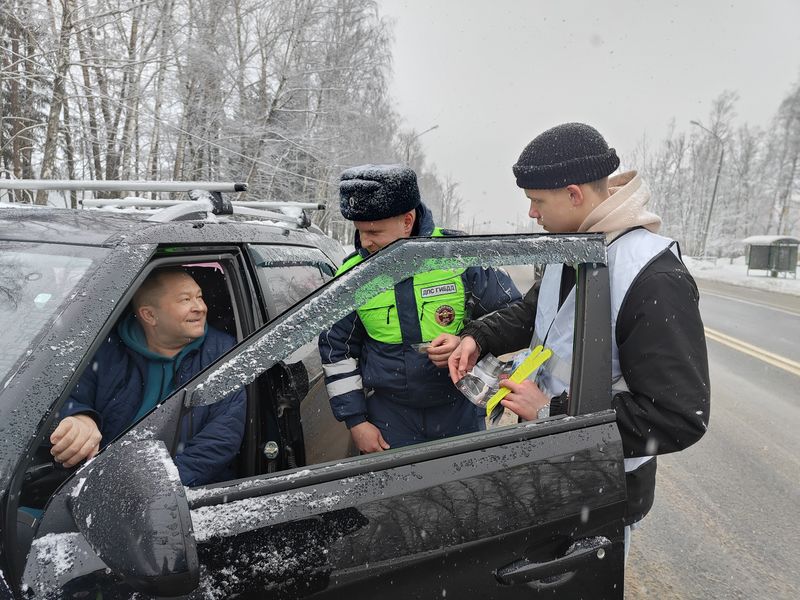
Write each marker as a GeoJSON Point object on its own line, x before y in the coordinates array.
{"type": "Point", "coordinates": [463, 358]}
{"type": "Point", "coordinates": [442, 347]}
{"type": "Point", "coordinates": [368, 438]}
{"type": "Point", "coordinates": [525, 399]}
{"type": "Point", "coordinates": [75, 439]}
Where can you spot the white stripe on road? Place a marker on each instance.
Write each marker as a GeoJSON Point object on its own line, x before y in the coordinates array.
{"type": "Point", "coordinates": [775, 360]}
{"type": "Point", "coordinates": [750, 302]}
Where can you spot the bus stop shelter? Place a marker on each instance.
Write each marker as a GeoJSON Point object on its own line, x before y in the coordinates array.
{"type": "Point", "coordinates": [775, 254]}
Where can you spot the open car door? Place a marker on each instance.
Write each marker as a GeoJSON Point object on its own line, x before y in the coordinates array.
{"type": "Point", "coordinates": [504, 513]}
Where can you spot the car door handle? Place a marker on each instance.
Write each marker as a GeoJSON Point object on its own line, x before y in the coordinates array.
{"type": "Point", "coordinates": [582, 552]}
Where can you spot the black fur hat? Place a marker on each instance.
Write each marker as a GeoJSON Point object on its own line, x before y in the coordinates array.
{"type": "Point", "coordinates": [567, 154]}
{"type": "Point", "coordinates": [375, 192]}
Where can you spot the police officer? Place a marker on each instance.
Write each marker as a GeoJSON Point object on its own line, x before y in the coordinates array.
{"type": "Point", "coordinates": [388, 393]}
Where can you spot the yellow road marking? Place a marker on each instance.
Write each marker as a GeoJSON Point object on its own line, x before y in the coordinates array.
{"type": "Point", "coordinates": [775, 360]}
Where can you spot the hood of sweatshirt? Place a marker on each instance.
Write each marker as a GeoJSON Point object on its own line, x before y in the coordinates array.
{"type": "Point", "coordinates": [132, 334]}
{"type": "Point", "coordinates": [159, 379]}
{"type": "Point", "coordinates": [624, 209]}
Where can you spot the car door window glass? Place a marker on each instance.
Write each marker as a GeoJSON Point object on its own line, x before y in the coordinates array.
{"type": "Point", "coordinates": [305, 321]}
{"type": "Point", "coordinates": [287, 274]}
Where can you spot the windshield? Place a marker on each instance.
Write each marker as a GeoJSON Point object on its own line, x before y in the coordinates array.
{"type": "Point", "coordinates": [35, 279]}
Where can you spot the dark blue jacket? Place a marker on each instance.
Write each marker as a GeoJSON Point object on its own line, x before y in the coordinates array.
{"type": "Point", "coordinates": [111, 391]}
{"type": "Point", "coordinates": [355, 362]}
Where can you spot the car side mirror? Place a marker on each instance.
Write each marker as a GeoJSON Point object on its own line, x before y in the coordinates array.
{"type": "Point", "coordinates": [130, 506]}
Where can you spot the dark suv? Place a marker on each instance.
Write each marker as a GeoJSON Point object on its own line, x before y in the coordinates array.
{"type": "Point", "coordinates": [515, 511]}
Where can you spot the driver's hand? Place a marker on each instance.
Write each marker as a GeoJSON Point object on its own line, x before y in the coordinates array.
{"type": "Point", "coordinates": [368, 438]}
{"type": "Point", "coordinates": [75, 439]}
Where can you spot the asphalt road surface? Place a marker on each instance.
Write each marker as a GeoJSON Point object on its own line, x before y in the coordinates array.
{"type": "Point", "coordinates": [726, 519]}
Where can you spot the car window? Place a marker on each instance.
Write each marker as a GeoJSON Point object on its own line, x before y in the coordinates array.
{"type": "Point", "coordinates": [305, 321]}
{"type": "Point", "coordinates": [309, 431]}
{"type": "Point", "coordinates": [287, 274]}
{"type": "Point", "coordinates": [35, 279]}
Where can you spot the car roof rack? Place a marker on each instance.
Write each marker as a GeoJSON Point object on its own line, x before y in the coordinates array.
{"type": "Point", "coordinates": [204, 197]}
{"type": "Point", "coordinates": [95, 185]}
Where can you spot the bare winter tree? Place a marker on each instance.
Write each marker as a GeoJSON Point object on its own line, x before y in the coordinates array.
{"type": "Point", "coordinates": [23, 72]}
{"type": "Point", "coordinates": [751, 176]}
{"type": "Point", "coordinates": [784, 156]}
{"type": "Point", "coordinates": [451, 203]}
{"type": "Point", "coordinates": [283, 94]}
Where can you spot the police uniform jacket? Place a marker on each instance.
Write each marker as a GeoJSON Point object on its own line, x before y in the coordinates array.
{"type": "Point", "coordinates": [369, 352]}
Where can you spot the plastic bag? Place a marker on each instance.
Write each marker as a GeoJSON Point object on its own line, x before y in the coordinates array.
{"type": "Point", "coordinates": [483, 381]}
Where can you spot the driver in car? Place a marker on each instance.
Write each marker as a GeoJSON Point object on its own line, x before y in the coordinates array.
{"type": "Point", "coordinates": [150, 354]}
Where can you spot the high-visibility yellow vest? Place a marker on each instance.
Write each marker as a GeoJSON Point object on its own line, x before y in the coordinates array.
{"type": "Point", "coordinates": [440, 300]}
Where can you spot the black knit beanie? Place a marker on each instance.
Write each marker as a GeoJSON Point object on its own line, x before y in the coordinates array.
{"type": "Point", "coordinates": [375, 192]}
{"type": "Point", "coordinates": [567, 154]}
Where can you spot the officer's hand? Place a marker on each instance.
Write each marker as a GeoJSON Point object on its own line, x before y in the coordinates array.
{"type": "Point", "coordinates": [442, 347]}
{"type": "Point", "coordinates": [525, 399]}
{"type": "Point", "coordinates": [463, 358]}
{"type": "Point", "coordinates": [368, 438]}
{"type": "Point", "coordinates": [75, 439]}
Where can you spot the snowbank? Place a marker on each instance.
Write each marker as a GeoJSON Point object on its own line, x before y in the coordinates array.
{"type": "Point", "coordinates": [721, 269]}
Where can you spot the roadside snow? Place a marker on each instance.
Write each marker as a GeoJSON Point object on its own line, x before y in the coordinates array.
{"type": "Point", "coordinates": [721, 269]}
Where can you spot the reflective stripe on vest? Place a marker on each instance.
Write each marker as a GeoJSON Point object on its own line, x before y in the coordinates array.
{"type": "Point", "coordinates": [440, 300]}
{"type": "Point", "coordinates": [628, 255]}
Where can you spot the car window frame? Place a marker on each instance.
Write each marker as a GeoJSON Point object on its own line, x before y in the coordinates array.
{"type": "Point", "coordinates": [370, 278]}
{"type": "Point", "coordinates": [231, 253]}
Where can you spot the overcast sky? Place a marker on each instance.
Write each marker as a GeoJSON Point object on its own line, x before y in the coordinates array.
{"type": "Point", "coordinates": [494, 74]}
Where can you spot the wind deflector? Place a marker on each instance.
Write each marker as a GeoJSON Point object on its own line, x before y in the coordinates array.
{"type": "Point", "coordinates": [300, 324]}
